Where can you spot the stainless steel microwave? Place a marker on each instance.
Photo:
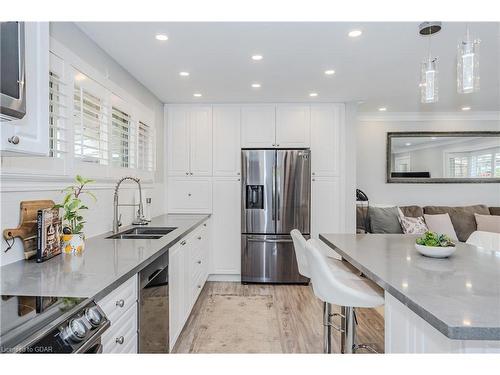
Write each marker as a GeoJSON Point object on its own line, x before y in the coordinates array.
{"type": "Point", "coordinates": [12, 71]}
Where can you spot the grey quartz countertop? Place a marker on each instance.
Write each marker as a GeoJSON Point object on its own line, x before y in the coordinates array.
{"type": "Point", "coordinates": [459, 295]}
{"type": "Point", "coordinates": [103, 264]}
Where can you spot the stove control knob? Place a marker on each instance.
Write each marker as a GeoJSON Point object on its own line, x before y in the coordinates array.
{"type": "Point", "coordinates": [76, 330]}
{"type": "Point", "coordinates": [94, 317]}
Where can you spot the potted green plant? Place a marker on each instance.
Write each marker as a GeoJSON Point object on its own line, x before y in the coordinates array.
{"type": "Point", "coordinates": [73, 238]}
{"type": "Point", "coordinates": [435, 245]}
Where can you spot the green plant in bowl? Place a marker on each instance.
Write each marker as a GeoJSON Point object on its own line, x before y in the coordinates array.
{"type": "Point", "coordinates": [435, 240]}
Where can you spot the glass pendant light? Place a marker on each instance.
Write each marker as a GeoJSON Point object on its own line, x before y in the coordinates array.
{"type": "Point", "coordinates": [468, 65]}
{"type": "Point", "coordinates": [429, 89]}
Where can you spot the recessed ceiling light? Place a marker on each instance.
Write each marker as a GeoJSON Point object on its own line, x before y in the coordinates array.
{"type": "Point", "coordinates": [184, 74]}
{"type": "Point", "coordinates": [465, 108]}
{"type": "Point", "coordinates": [355, 33]}
{"type": "Point", "coordinates": [161, 37]}
{"type": "Point", "coordinates": [256, 85]}
{"type": "Point", "coordinates": [313, 94]}
{"type": "Point", "coordinates": [257, 57]}
{"type": "Point", "coordinates": [382, 109]}
{"type": "Point", "coordinates": [197, 95]}
{"type": "Point", "coordinates": [407, 144]}
{"type": "Point", "coordinates": [330, 72]}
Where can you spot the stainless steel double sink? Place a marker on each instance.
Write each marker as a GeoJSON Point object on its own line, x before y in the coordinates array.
{"type": "Point", "coordinates": [142, 233]}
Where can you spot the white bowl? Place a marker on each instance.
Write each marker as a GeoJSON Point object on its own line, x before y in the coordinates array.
{"type": "Point", "coordinates": [435, 251]}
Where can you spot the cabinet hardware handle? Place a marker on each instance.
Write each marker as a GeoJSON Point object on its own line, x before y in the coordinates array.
{"type": "Point", "coordinates": [189, 194]}
{"type": "Point", "coordinates": [239, 179]}
{"type": "Point", "coordinates": [314, 179]}
{"type": "Point", "coordinates": [191, 173]}
{"type": "Point", "coordinates": [183, 243]}
{"type": "Point", "coordinates": [199, 286]}
{"type": "Point", "coordinates": [199, 237]}
{"type": "Point", "coordinates": [199, 262]}
{"type": "Point", "coordinates": [187, 173]}
{"type": "Point", "coordinates": [274, 145]}
{"type": "Point", "coordinates": [120, 303]}
{"type": "Point", "coordinates": [313, 173]}
{"type": "Point", "coordinates": [120, 340]}
{"type": "Point", "coordinates": [238, 173]}
{"type": "Point", "coordinates": [205, 224]}
{"type": "Point", "coordinates": [14, 140]}
{"type": "Point", "coordinates": [277, 145]}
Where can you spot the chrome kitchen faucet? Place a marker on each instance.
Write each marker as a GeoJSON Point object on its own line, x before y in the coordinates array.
{"type": "Point", "coordinates": [139, 220]}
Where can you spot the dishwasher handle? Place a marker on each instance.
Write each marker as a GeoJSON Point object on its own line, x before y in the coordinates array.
{"type": "Point", "coordinates": [152, 271]}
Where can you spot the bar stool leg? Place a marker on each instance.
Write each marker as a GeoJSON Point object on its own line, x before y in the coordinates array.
{"type": "Point", "coordinates": [327, 328]}
{"type": "Point", "coordinates": [348, 332]}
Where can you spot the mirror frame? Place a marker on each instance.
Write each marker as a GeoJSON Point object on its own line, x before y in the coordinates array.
{"type": "Point", "coordinates": [439, 180]}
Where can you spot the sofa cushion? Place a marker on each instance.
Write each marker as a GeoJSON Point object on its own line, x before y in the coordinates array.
{"type": "Point", "coordinates": [412, 211]}
{"type": "Point", "coordinates": [362, 221]}
{"type": "Point", "coordinates": [441, 224]}
{"type": "Point", "coordinates": [488, 223]}
{"type": "Point", "coordinates": [384, 220]}
{"type": "Point", "coordinates": [495, 211]}
{"type": "Point", "coordinates": [462, 218]}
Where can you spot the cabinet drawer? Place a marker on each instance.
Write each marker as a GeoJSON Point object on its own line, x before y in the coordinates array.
{"type": "Point", "coordinates": [120, 300]}
{"type": "Point", "coordinates": [123, 330]}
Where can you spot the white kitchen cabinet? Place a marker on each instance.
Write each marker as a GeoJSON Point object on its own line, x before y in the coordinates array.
{"type": "Point", "coordinates": [258, 126]}
{"type": "Point", "coordinates": [226, 245]}
{"type": "Point", "coordinates": [326, 122]}
{"type": "Point", "coordinates": [178, 141]}
{"type": "Point", "coordinates": [189, 194]}
{"type": "Point", "coordinates": [200, 134]}
{"type": "Point", "coordinates": [177, 263]}
{"type": "Point", "coordinates": [189, 140]}
{"type": "Point", "coordinates": [120, 307]}
{"type": "Point", "coordinates": [293, 124]}
{"type": "Point", "coordinates": [187, 276]}
{"type": "Point", "coordinates": [32, 131]}
{"type": "Point", "coordinates": [326, 211]}
{"type": "Point", "coordinates": [226, 140]}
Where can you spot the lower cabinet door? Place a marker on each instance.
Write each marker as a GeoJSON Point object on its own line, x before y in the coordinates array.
{"type": "Point", "coordinates": [176, 291]}
{"type": "Point", "coordinates": [122, 331]}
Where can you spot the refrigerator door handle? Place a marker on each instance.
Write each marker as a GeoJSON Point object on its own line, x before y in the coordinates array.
{"type": "Point", "coordinates": [273, 214]}
{"type": "Point", "coordinates": [250, 239]}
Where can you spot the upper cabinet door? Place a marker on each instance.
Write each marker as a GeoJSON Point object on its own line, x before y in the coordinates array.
{"type": "Point", "coordinates": [30, 134]}
{"type": "Point", "coordinates": [178, 141]}
{"type": "Point", "coordinates": [293, 124]}
{"type": "Point", "coordinates": [226, 146]}
{"type": "Point", "coordinates": [258, 126]}
{"type": "Point", "coordinates": [200, 124]}
{"type": "Point", "coordinates": [326, 122]}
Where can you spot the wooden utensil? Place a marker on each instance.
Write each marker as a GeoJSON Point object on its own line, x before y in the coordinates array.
{"type": "Point", "coordinates": [27, 229]}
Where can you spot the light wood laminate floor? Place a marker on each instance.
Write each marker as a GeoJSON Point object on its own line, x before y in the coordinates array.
{"type": "Point", "coordinates": [235, 318]}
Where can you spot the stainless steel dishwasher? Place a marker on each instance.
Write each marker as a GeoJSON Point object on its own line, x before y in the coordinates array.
{"type": "Point", "coordinates": [153, 307]}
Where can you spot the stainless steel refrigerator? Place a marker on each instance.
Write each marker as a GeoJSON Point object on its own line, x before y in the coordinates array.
{"type": "Point", "coordinates": [276, 198]}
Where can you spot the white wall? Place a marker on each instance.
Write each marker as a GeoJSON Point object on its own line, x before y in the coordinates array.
{"type": "Point", "coordinates": [371, 164]}
{"type": "Point", "coordinates": [99, 217]}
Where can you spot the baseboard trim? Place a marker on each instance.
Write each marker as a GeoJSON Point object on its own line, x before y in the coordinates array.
{"type": "Point", "coordinates": [221, 277]}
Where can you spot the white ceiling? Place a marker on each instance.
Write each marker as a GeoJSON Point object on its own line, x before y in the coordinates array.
{"type": "Point", "coordinates": [380, 68]}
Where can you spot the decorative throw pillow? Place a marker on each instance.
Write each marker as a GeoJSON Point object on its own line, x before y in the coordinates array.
{"type": "Point", "coordinates": [412, 225]}
{"type": "Point", "coordinates": [384, 220]}
{"type": "Point", "coordinates": [488, 223]}
{"type": "Point", "coordinates": [441, 224]}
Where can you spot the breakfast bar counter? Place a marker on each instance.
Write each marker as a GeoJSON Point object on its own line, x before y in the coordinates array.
{"type": "Point", "coordinates": [431, 305]}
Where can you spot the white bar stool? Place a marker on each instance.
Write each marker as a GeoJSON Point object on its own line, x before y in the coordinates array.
{"type": "Point", "coordinates": [299, 244]}
{"type": "Point", "coordinates": [333, 287]}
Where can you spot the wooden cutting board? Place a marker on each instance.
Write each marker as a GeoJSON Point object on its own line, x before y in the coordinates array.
{"type": "Point", "coordinates": [27, 229]}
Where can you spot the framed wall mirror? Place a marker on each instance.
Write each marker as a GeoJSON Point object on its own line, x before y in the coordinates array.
{"type": "Point", "coordinates": [443, 157]}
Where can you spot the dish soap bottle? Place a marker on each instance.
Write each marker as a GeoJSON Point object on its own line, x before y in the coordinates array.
{"type": "Point", "coordinates": [147, 210]}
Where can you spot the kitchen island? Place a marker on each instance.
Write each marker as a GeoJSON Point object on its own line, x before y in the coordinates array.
{"type": "Point", "coordinates": [449, 305]}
